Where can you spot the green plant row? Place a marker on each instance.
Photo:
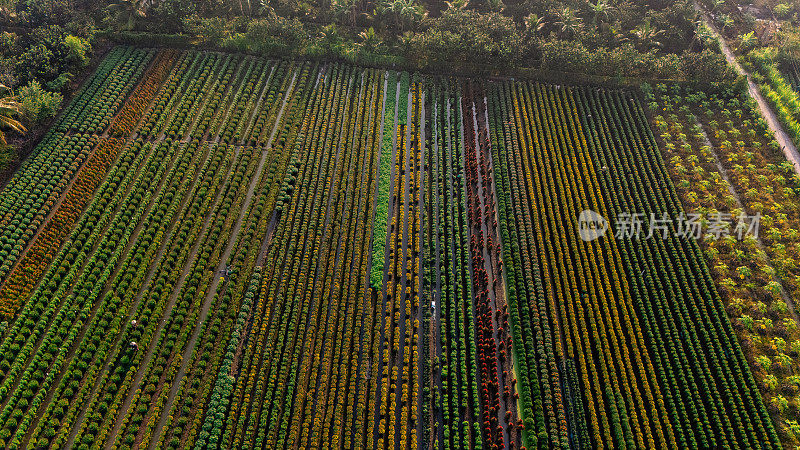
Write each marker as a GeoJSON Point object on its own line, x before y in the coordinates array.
{"type": "Point", "coordinates": [384, 182]}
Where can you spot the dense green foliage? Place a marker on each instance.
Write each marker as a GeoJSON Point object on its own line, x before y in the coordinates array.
{"type": "Point", "coordinates": [39, 63]}
{"type": "Point", "coordinates": [38, 104]}
{"type": "Point", "coordinates": [646, 36]}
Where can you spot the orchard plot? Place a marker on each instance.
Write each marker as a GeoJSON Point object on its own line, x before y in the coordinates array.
{"type": "Point", "coordinates": [221, 251]}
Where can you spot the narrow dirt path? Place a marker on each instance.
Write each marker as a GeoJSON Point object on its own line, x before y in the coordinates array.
{"type": "Point", "coordinates": [787, 146]}
{"type": "Point", "coordinates": [212, 289]}
{"type": "Point", "coordinates": [460, 123]}
{"type": "Point", "coordinates": [482, 192]}
{"type": "Point", "coordinates": [273, 216]}
{"type": "Point", "coordinates": [511, 357]}
{"type": "Point", "coordinates": [177, 98]}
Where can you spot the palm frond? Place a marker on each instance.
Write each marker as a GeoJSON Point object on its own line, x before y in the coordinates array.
{"type": "Point", "coordinates": [14, 124]}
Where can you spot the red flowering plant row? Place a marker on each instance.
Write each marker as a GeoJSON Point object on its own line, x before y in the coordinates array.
{"type": "Point", "coordinates": [451, 408]}
{"type": "Point", "coordinates": [35, 191]}
{"type": "Point", "coordinates": [147, 207]}
{"type": "Point", "coordinates": [87, 286]}
{"type": "Point", "coordinates": [498, 412]}
{"type": "Point", "coordinates": [143, 95]}
{"type": "Point", "coordinates": [26, 273]}
{"type": "Point", "coordinates": [109, 97]}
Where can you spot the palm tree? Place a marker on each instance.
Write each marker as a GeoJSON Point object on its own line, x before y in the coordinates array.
{"type": "Point", "coordinates": [128, 12]}
{"type": "Point", "coordinates": [345, 9]}
{"type": "Point", "coordinates": [568, 23]}
{"type": "Point", "coordinates": [403, 12]}
{"type": "Point", "coordinates": [602, 13]}
{"type": "Point", "coordinates": [534, 23]}
{"type": "Point", "coordinates": [370, 41]}
{"type": "Point", "coordinates": [647, 35]}
{"type": "Point", "coordinates": [9, 108]}
{"type": "Point", "coordinates": [330, 39]}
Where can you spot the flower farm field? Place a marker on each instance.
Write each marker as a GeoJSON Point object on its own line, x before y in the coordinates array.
{"type": "Point", "coordinates": [213, 250]}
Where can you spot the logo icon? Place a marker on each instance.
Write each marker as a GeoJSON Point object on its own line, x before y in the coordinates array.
{"type": "Point", "coordinates": [591, 225]}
